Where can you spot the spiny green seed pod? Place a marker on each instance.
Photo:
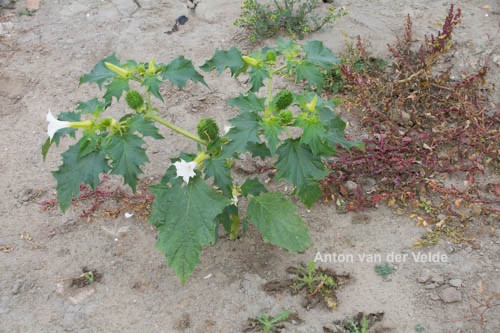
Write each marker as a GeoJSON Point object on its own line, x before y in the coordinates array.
{"type": "Point", "coordinates": [283, 99]}
{"type": "Point", "coordinates": [134, 99]}
{"type": "Point", "coordinates": [208, 129]}
{"type": "Point", "coordinates": [286, 117]}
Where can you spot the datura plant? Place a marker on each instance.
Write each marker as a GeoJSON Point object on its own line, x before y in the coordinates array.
{"type": "Point", "coordinates": [198, 194]}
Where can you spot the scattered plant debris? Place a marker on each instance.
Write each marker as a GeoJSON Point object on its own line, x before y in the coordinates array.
{"type": "Point", "coordinates": [360, 323]}
{"type": "Point", "coordinates": [5, 248]}
{"type": "Point", "coordinates": [87, 277]}
{"type": "Point", "coordinates": [484, 301]}
{"type": "Point", "coordinates": [384, 270]}
{"type": "Point", "coordinates": [140, 202]}
{"type": "Point", "coordinates": [181, 20]}
{"type": "Point", "coordinates": [267, 323]}
{"type": "Point", "coordinates": [419, 328]}
{"type": "Point", "coordinates": [295, 17]}
{"type": "Point", "coordinates": [318, 284]}
{"type": "Point", "coordinates": [425, 131]}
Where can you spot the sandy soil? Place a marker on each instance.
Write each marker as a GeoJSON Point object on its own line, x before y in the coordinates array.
{"type": "Point", "coordinates": [41, 58]}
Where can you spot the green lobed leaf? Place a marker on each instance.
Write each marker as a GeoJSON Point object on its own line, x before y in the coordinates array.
{"type": "Point", "coordinates": [277, 221]}
{"type": "Point", "coordinates": [314, 135]}
{"type": "Point", "coordinates": [115, 89]}
{"type": "Point", "coordinates": [217, 168]}
{"type": "Point", "coordinates": [89, 143]}
{"type": "Point", "coordinates": [127, 155]}
{"type": "Point", "coordinates": [272, 130]}
{"type": "Point", "coordinates": [296, 163]}
{"type": "Point", "coordinates": [152, 84]}
{"type": "Point", "coordinates": [310, 72]}
{"type": "Point", "coordinates": [185, 216]}
{"type": "Point", "coordinates": [309, 192]}
{"type": "Point", "coordinates": [100, 73]}
{"type": "Point", "coordinates": [137, 123]}
{"type": "Point", "coordinates": [76, 170]}
{"type": "Point", "coordinates": [93, 106]}
{"type": "Point", "coordinates": [257, 76]}
{"type": "Point", "coordinates": [317, 53]}
{"type": "Point", "coordinates": [336, 135]}
{"type": "Point", "coordinates": [248, 103]}
{"type": "Point", "coordinates": [245, 130]}
{"type": "Point", "coordinates": [252, 186]}
{"type": "Point", "coordinates": [181, 70]}
{"type": "Point", "coordinates": [225, 59]}
{"type": "Point", "coordinates": [258, 150]}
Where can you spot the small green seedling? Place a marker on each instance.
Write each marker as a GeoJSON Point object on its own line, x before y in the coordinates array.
{"type": "Point", "coordinates": [316, 283]}
{"type": "Point", "coordinates": [419, 328]}
{"type": "Point", "coordinates": [384, 270]}
{"type": "Point", "coordinates": [269, 323]}
{"type": "Point", "coordinates": [352, 327]}
{"type": "Point", "coordinates": [89, 276]}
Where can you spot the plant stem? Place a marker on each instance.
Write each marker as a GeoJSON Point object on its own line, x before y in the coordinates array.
{"type": "Point", "coordinates": [269, 96]}
{"type": "Point", "coordinates": [274, 71]}
{"type": "Point", "coordinates": [148, 99]}
{"type": "Point", "coordinates": [177, 129]}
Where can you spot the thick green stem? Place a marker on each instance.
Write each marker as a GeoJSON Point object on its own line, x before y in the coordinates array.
{"type": "Point", "coordinates": [269, 110]}
{"type": "Point", "coordinates": [177, 129]}
{"type": "Point", "coordinates": [274, 71]}
{"type": "Point", "coordinates": [148, 100]}
{"type": "Point", "coordinates": [235, 227]}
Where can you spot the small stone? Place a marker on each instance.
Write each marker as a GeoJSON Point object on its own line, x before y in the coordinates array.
{"type": "Point", "coordinates": [435, 297]}
{"type": "Point", "coordinates": [424, 276]}
{"type": "Point", "coordinates": [17, 287]}
{"type": "Point", "coordinates": [457, 283]}
{"type": "Point", "coordinates": [351, 186]}
{"type": "Point", "coordinates": [431, 286]}
{"type": "Point", "coordinates": [438, 279]}
{"type": "Point", "coordinates": [450, 295]}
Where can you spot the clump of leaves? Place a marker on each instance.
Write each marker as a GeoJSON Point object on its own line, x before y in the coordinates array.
{"type": "Point", "coordinates": [422, 127]}
{"type": "Point", "coordinates": [360, 323]}
{"type": "Point", "coordinates": [198, 194]}
{"type": "Point", "coordinates": [268, 323]}
{"type": "Point", "coordinates": [319, 284]}
{"type": "Point", "coordinates": [384, 270]}
{"type": "Point", "coordinates": [295, 17]}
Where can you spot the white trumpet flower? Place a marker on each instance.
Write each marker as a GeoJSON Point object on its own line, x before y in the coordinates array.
{"type": "Point", "coordinates": [185, 169]}
{"type": "Point", "coordinates": [55, 125]}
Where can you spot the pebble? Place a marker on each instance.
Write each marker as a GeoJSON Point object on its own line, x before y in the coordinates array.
{"type": "Point", "coordinates": [351, 186]}
{"type": "Point", "coordinates": [17, 287]}
{"type": "Point", "coordinates": [457, 283]}
{"type": "Point", "coordinates": [450, 295]}
{"type": "Point", "coordinates": [438, 279]}
{"type": "Point", "coordinates": [424, 276]}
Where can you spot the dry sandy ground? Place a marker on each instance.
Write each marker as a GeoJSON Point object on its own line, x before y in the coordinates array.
{"type": "Point", "coordinates": [41, 58]}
